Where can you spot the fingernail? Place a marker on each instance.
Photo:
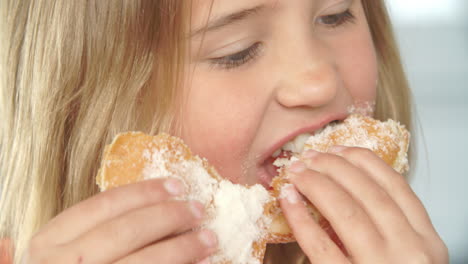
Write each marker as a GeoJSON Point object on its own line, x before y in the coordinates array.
{"type": "Point", "coordinates": [310, 154]}
{"type": "Point", "coordinates": [208, 238]}
{"type": "Point", "coordinates": [297, 167]}
{"type": "Point", "coordinates": [290, 193]}
{"type": "Point", "coordinates": [336, 149]}
{"type": "Point", "coordinates": [174, 186]}
{"type": "Point", "coordinates": [197, 209]}
{"type": "Point", "coordinates": [205, 261]}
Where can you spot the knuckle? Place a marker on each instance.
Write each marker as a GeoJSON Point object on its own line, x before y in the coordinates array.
{"type": "Point", "coordinates": [398, 182]}
{"type": "Point", "coordinates": [421, 257]}
{"type": "Point", "coordinates": [335, 158]}
{"type": "Point", "coordinates": [124, 230]}
{"type": "Point", "coordinates": [442, 251]}
{"type": "Point", "coordinates": [323, 158]}
{"type": "Point", "coordinates": [416, 254]}
{"type": "Point", "coordinates": [183, 212]}
{"type": "Point", "coordinates": [104, 205]}
{"type": "Point", "coordinates": [195, 241]}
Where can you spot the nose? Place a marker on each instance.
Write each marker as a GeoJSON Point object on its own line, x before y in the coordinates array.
{"type": "Point", "coordinates": [312, 79]}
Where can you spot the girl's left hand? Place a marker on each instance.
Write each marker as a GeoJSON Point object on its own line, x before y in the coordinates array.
{"type": "Point", "coordinates": [370, 206]}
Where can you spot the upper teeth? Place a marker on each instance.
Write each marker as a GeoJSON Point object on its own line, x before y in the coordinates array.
{"type": "Point", "coordinates": [297, 144]}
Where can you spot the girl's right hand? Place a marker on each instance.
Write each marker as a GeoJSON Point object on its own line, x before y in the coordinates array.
{"type": "Point", "coordinates": [137, 223]}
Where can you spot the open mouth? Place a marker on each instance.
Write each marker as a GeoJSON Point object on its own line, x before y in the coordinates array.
{"type": "Point", "coordinates": [285, 155]}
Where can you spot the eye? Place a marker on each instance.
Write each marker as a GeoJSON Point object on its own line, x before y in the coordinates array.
{"type": "Point", "coordinates": [237, 59]}
{"type": "Point", "coordinates": [337, 20]}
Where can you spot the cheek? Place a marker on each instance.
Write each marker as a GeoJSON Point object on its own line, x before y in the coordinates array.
{"type": "Point", "coordinates": [358, 66]}
{"type": "Point", "coordinates": [219, 124]}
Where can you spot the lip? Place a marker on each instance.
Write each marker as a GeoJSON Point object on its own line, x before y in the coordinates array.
{"type": "Point", "coordinates": [307, 129]}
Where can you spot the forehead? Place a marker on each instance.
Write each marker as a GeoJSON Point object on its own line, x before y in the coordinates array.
{"type": "Point", "coordinates": [205, 10]}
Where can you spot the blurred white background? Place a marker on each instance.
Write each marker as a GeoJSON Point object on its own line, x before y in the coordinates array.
{"type": "Point", "coordinates": [433, 37]}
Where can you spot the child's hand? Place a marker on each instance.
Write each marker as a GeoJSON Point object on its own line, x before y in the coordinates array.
{"type": "Point", "coordinates": [137, 223]}
{"type": "Point", "coordinates": [371, 207]}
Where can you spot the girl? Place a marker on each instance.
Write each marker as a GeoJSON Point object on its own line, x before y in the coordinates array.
{"type": "Point", "coordinates": [236, 80]}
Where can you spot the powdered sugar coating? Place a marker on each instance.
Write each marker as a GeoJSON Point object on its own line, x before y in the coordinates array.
{"type": "Point", "coordinates": [389, 140]}
{"type": "Point", "coordinates": [234, 212]}
{"type": "Point", "coordinates": [365, 108]}
{"type": "Point", "coordinates": [197, 180]}
{"type": "Point", "coordinates": [236, 223]}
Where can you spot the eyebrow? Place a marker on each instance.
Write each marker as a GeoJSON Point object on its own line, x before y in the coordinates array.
{"type": "Point", "coordinates": [226, 20]}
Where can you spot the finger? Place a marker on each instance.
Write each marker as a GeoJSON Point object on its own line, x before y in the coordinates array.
{"type": "Point", "coordinates": [313, 240]}
{"type": "Point", "coordinates": [136, 229]}
{"type": "Point", "coordinates": [349, 220]}
{"type": "Point", "coordinates": [107, 205]}
{"type": "Point", "coordinates": [186, 248]}
{"type": "Point", "coordinates": [392, 182]}
{"type": "Point", "coordinates": [384, 212]}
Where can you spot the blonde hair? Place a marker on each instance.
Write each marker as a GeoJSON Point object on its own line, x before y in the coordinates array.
{"type": "Point", "coordinates": [75, 73]}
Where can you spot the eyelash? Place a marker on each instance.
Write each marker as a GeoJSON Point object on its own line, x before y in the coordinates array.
{"type": "Point", "coordinates": [238, 59]}
{"type": "Point", "coordinates": [343, 18]}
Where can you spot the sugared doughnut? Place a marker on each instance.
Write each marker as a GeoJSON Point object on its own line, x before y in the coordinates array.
{"type": "Point", "coordinates": [244, 218]}
{"type": "Point", "coordinates": [234, 212]}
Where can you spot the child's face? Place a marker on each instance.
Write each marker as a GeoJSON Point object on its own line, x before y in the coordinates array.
{"type": "Point", "coordinates": [269, 74]}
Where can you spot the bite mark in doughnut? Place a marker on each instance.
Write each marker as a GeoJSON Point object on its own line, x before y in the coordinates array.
{"type": "Point", "coordinates": [245, 218]}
